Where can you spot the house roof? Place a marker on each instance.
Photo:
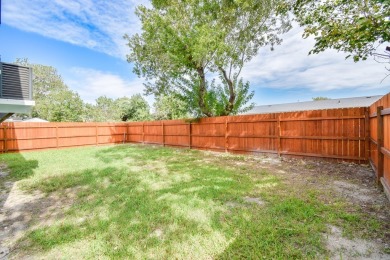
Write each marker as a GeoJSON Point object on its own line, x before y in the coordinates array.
{"type": "Point", "coordinates": [315, 105]}
{"type": "Point", "coordinates": [31, 120]}
{"type": "Point", "coordinates": [36, 119]}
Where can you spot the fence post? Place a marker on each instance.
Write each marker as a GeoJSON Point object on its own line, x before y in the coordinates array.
{"type": "Point", "coordinates": [189, 135]}
{"type": "Point", "coordinates": [163, 133]}
{"type": "Point", "coordinates": [124, 135]}
{"type": "Point", "coordinates": [57, 135]}
{"type": "Point", "coordinates": [127, 132]}
{"type": "Point", "coordinates": [5, 139]}
{"type": "Point", "coordinates": [279, 135]}
{"type": "Point", "coordinates": [367, 133]}
{"type": "Point", "coordinates": [96, 134]}
{"type": "Point", "coordinates": [380, 129]}
{"type": "Point", "coordinates": [143, 133]}
{"type": "Point", "coordinates": [226, 135]}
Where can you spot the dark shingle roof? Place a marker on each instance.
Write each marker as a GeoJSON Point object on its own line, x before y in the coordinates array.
{"type": "Point", "coordinates": [315, 105]}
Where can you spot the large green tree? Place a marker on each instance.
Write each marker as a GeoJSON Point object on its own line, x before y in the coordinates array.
{"type": "Point", "coordinates": [60, 106]}
{"type": "Point", "coordinates": [135, 108]}
{"type": "Point", "coordinates": [54, 101]}
{"type": "Point", "coordinates": [197, 49]}
{"type": "Point", "coordinates": [106, 109]}
{"type": "Point", "coordinates": [169, 106]}
{"type": "Point", "coordinates": [355, 27]}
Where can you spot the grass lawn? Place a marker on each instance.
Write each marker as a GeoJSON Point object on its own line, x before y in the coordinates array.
{"type": "Point", "coordinates": [147, 202]}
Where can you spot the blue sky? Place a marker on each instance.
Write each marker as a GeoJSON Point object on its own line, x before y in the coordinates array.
{"type": "Point", "coordinates": [83, 40]}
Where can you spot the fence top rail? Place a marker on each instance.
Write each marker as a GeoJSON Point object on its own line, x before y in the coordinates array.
{"type": "Point", "coordinates": [62, 124]}
{"type": "Point", "coordinates": [385, 111]}
{"type": "Point", "coordinates": [323, 118]}
{"type": "Point", "coordinates": [63, 127]}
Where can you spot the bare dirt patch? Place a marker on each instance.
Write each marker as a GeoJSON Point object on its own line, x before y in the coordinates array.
{"type": "Point", "coordinates": [356, 185]}
{"type": "Point", "coordinates": [349, 182]}
{"type": "Point", "coordinates": [23, 211]}
{"type": "Point", "coordinates": [354, 191]}
{"type": "Point", "coordinates": [344, 248]}
{"type": "Point", "coordinates": [257, 201]}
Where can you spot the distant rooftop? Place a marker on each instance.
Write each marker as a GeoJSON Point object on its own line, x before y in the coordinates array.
{"type": "Point", "coordinates": [36, 120]}
{"type": "Point", "coordinates": [31, 120]}
{"type": "Point", "coordinates": [315, 105]}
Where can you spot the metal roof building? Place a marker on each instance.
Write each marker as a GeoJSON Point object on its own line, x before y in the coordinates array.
{"type": "Point", "coordinates": [36, 120]}
{"type": "Point", "coordinates": [315, 105]}
{"type": "Point", "coordinates": [15, 90]}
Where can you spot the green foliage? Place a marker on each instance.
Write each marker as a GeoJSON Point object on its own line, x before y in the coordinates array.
{"type": "Point", "coordinates": [89, 111]}
{"type": "Point", "coordinates": [105, 110]}
{"type": "Point", "coordinates": [170, 106]}
{"type": "Point", "coordinates": [356, 27]}
{"type": "Point", "coordinates": [135, 108]}
{"type": "Point", "coordinates": [60, 106]}
{"type": "Point", "coordinates": [186, 46]}
{"type": "Point", "coordinates": [54, 101]}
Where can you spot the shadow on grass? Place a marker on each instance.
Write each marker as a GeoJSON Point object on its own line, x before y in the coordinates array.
{"type": "Point", "coordinates": [137, 152]}
{"type": "Point", "coordinates": [118, 153]}
{"type": "Point", "coordinates": [19, 167]}
{"type": "Point", "coordinates": [171, 205]}
{"type": "Point", "coordinates": [14, 168]}
{"type": "Point", "coordinates": [118, 209]}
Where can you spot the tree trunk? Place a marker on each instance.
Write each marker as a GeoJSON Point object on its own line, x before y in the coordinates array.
{"type": "Point", "coordinates": [202, 93]}
{"type": "Point", "coordinates": [232, 96]}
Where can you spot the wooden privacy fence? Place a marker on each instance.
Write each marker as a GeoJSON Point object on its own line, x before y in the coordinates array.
{"type": "Point", "coordinates": [336, 134]}
{"type": "Point", "coordinates": [380, 141]}
{"type": "Point", "coordinates": [16, 137]}
{"type": "Point", "coordinates": [354, 134]}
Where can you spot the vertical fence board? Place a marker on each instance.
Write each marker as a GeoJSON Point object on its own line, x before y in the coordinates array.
{"type": "Point", "coordinates": [380, 130]}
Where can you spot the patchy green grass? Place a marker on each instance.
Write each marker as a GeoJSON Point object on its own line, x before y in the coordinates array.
{"type": "Point", "coordinates": [145, 202]}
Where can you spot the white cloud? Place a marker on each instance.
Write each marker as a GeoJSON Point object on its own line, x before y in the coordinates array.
{"type": "Point", "coordinates": [91, 84]}
{"type": "Point", "coordinates": [290, 66]}
{"type": "Point", "coordinates": [98, 25]}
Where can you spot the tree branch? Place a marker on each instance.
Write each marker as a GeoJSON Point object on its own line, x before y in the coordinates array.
{"type": "Point", "coordinates": [232, 96]}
